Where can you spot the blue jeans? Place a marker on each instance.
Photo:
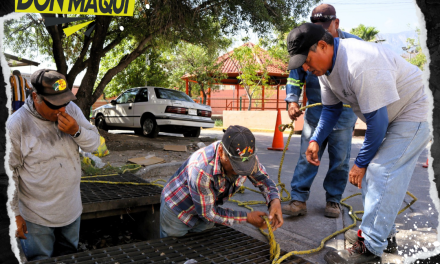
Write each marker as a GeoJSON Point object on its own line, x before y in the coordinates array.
{"type": "Point", "coordinates": [44, 242]}
{"type": "Point", "coordinates": [170, 224]}
{"type": "Point", "coordinates": [387, 178]}
{"type": "Point", "coordinates": [339, 147]}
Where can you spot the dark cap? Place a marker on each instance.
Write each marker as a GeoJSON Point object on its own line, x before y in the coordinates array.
{"type": "Point", "coordinates": [299, 41]}
{"type": "Point", "coordinates": [324, 14]}
{"type": "Point", "coordinates": [240, 147]}
{"type": "Point", "coordinates": [52, 86]}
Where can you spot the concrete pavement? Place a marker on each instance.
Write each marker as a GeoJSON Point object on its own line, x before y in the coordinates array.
{"type": "Point", "coordinates": [417, 225]}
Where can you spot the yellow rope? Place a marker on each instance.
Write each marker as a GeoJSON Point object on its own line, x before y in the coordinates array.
{"type": "Point", "coordinates": [274, 246]}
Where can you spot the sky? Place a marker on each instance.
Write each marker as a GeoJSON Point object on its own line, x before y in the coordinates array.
{"type": "Point", "coordinates": [388, 16]}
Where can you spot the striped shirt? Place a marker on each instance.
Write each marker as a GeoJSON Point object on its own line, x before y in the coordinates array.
{"type": "Point", "coordinates": [18, 84]}
{"type": "Point", "coordinates": [199, 186]}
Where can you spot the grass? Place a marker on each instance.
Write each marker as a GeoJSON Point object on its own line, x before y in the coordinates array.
{"type": "Point", "coordinates": [90, 170]}
{"type": "Point", "coordinates": [218, 123]}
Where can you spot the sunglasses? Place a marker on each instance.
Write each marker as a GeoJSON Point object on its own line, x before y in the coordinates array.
{"type": "Point", "coordinates": [55, 107]}
{"type": "Point", "coordinates": [323, 18]}
{"type": "Point", "coordinates": [237, 158]}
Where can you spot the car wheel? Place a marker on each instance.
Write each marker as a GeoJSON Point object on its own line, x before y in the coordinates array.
{"type": "Point", "coordinates": [192, 133]}
{"type": "Point", "coordinates": [149, 127]}
{"type": "Point", "coordinates": [100, 123]}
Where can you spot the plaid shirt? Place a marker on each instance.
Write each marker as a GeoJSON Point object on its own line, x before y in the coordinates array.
{"type": "Point", "coordinates": [199, 186]}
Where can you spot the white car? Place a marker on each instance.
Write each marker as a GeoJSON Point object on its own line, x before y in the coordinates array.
{"type": "Point", "coordinates": [148, 110]}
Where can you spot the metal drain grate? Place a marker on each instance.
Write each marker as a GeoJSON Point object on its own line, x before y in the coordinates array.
{"type": "Point", "coordinates": [100, 192]}
{"type": "Point", "coordinates": [217, 245]}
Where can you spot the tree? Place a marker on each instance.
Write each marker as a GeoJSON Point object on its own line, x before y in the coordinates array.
{"type": "Point", "coordinates": [252, 63]}
{"type": "Point", "coordinates": [199, 63]}
{"type": "Point", "coordinates": [144, 70]}
{"type": "Point", "coordinates": [365, 33]}
{"type": "Point", "coordinates": [419, 59]}
{"type": "Point", "coordinates": [167, 21]}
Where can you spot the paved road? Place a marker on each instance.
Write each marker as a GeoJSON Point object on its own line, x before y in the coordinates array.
{"type": "Point", "coordinates": [417, 225]}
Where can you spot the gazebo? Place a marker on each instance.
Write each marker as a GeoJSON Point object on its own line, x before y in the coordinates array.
{"type": "Point", "coordinates": [277, 73]}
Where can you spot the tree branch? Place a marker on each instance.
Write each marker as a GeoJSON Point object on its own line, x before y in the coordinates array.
{"type": "Point", "coordinates": [57, 47]}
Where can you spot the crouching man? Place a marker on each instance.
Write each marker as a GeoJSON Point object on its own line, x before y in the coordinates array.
{"type": "Point", "coordinates": [191, 199]}
{"type": "Point", "coordinates": [45, 135]}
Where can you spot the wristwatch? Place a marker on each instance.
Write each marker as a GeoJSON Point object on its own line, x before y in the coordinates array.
{"type": "Point", "coordinates": [77, 132]}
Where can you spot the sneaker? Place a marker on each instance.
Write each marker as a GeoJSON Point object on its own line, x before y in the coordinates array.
{"type": "Point", "coordinates": [351, 237]}
{"type": "Point", "coordinates": [294, 208]}
{"type": "Point", "coordinates": [332, 210]}
{"type": "Point", "coordinates": [358, 253]}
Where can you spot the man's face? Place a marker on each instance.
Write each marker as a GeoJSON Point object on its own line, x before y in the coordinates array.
{"type": "Point", "coordinates": [320, 61]}
{"type": "Point", "coordinates": [45, 111]}
{"type": "Point", "coordinates": [224, 160]}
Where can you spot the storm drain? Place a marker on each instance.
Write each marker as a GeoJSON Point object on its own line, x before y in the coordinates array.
{"type": "Point", "coordinates": [217, 245]}
{"type": "Point", "coordinates": [100, 192]}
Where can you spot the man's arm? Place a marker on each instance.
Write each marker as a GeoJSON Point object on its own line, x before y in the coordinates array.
{"type": "Point", "coordinates": [270, 192]}
{"type": "Point", "coordinates": [88, 140]}
{"type": "Point", "coordinates": [202, 193]}
{"type": "Point", "coordinates": [377, 124]}
{"type": "Point", "coordinates": [15, 162]}
{"type": "Point", "coordinates": [294, 85]}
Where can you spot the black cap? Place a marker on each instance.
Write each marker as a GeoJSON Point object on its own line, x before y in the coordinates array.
{"type": "Point", "coordinates": [299, 41]}
{"type": "Point", "coordinates": [240, 147]}
{"type": "Point", "coordinates": [52, 86]}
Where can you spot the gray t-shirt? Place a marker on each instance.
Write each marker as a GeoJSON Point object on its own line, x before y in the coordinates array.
{"type": "Point", "coordinates": [369, 76]}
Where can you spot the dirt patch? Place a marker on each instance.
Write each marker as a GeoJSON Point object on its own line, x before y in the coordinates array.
{"type": "Point", "coordinates": [124, 146]}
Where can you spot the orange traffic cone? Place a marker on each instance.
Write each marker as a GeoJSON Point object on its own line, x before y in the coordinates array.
{"type": "Point", "coordinates": [426, 165]}
{"type": "Point", "coordinates": [278, 140]}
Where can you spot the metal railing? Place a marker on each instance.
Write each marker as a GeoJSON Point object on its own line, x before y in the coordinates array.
{"type": "Point", "coordinates": [242, 104]}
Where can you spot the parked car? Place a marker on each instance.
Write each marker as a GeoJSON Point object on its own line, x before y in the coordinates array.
{"type": "Point", "coordinates": [148, 110]}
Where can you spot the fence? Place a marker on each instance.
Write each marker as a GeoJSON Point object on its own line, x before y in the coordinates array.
{"type": "Point", "coordinates": [242, 103]}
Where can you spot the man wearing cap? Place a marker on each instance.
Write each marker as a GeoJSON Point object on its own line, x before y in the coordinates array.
{"type": "Point", "coordinates": [191, 199]}
{"type": "Point", "coordinates": [45, 135]}
{"type": "Point", "coordinates": [338, 141]}
{"type": "Point", "coordinates": [387, 93]}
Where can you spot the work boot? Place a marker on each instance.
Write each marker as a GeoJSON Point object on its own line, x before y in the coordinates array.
{"type": "Point", "coordinates": [294, 208]}
{"type": "Point", "coordinates": [358, 253]}
{"type": "Point", "coordinates": [351, 237]}
{"type": "Point", "coordinates": [332, 210]}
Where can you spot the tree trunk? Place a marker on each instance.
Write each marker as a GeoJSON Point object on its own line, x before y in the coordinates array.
{"type": "Point", "coordinates": [430, 9]}
{"type": "Point", "coordinates": [202, 88]}
{"type": "Point", "coordinates": [250, 101]}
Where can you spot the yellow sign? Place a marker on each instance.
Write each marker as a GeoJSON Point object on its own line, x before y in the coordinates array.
{"type": "Point", "coordinates": [79, 7]}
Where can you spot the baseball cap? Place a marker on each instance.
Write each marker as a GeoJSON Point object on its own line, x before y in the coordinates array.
{"type": "Point", "coordinates": [299, 41]}
{"type": "Point", "coordinates": [52, 86]}
{"type": "Point", "coordinates": [323, 15]}
{"type": "Point", "coordinates": [239, 144]}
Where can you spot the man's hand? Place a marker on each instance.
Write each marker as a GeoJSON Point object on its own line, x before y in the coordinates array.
{"type": "Point", "coordinates": [355, 176]}
{"type": "Point", "coordinates": [67, 124]}
{"type": "Point", "coordinates": [275, 214]}
{"type": "Point", "coordinates": [255, 218]}
{"type": "Point", "coordinates": [21, 227]}
{"type": "Point", "coordinates": [312, 153]}
{"type": "Point", "coordinates": [294, 111]}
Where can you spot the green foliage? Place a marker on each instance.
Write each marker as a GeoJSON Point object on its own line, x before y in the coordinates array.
{"type": "Point", "coordinates": [419, 59]}
{"type": "Point", "coordinates": [218, 123]}
{"type": "Point", "coordinates": [365, 33]}
{"type": "Point", "coordinates": [252, 73]}
{"type": "Point", "coordinates": [198, 63]}
{"type": "Point", "coordinates": [137, 73]}
{"type": "Point", "coordinates": [165, 24]}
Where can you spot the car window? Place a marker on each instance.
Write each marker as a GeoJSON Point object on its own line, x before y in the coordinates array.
{"type": "Point", "coordinates": [127, 97]}
{"type": "Point", "coordinates": [142, 96]}
{"type": "Point", "coordinates": [162, 93]}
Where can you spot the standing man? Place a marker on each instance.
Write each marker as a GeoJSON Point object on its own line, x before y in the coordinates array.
{"type": "Point", "coordinates": [44, 158]}
{"type": "Point", "coordinates": [387, 93]}
{"type": "Point", "coordinates": [191, 199]}
{"type": "Point", "coordinates": [20, 89]}
{"type": "Point", "coordinates": [338, 141]}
